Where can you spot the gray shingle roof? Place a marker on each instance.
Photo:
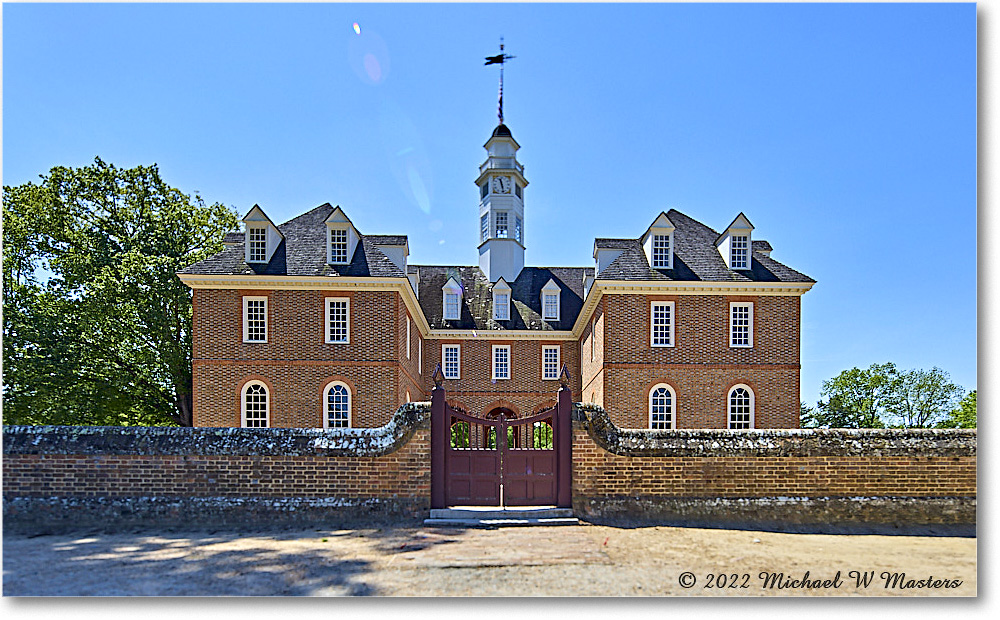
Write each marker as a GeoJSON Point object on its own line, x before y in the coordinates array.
{"type": "Point", "coordinates": [387, 239]}
{"type": "Point", "coordinates": [302, 253]}
{"type": "Point", "coordinates": [761, 246]}
{"type": "Point", "coordinates": [613, 244]}
{"type": "Point", "coordinates": [526, 297]}
{"type": "Point", "coordinates": [695, 259]}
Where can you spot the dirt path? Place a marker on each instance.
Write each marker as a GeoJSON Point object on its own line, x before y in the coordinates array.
{"type": "Point", "coordinates": [589, 560]}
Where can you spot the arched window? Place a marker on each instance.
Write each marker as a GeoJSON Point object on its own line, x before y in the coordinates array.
{"type": "Point", "coordinates": [337, 406]}
{"type": "Point", "coordinates": [661, 407]}
{"type": "Point", "coordinates": [255, 405]}
{"type": "Point", "coordinates": [741, 407]}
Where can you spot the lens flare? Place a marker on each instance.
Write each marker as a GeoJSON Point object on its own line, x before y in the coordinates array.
{"type": "Point", "coordinates": [357, 28]}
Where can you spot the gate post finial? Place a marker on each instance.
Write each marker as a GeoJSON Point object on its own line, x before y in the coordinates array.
{"type": "Point", "coordinates": [438, 376]}
{"type": "Point", "coordinates": [564, 375]}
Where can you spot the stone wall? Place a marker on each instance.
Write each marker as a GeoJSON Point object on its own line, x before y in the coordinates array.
{"type": "Point", "coordinates": [59, 478]}
{"type": "Point", "coordinates": [773, 476]}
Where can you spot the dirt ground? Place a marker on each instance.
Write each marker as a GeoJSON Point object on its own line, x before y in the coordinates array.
{"type": "Point", "coordinates": [588, 560]}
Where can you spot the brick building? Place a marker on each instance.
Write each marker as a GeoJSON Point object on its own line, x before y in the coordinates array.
{"type": "Point", "coordinates": [313, 323]}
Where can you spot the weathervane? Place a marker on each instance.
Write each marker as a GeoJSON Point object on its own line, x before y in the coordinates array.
{"type": "Point", "coordinates": [499, 59]}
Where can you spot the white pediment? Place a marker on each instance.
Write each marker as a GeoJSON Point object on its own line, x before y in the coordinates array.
{"type": "Point", "coordinates": [452, 285]}
{"type": "Point", "coordinates": [551, 287]}
{"type": "Point", "coordinates": [501, 286]}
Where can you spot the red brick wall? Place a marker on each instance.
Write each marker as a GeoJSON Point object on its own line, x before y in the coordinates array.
{"type": "Point", "coordinates": [592, 358]}
{"type": "Point", "coordinates": [701, 366]}
{"type": "Point", "coordinates": [296, 362]}
{"type": "Point", "coordinates": [404, 473]}
{"type": "Point", "coordinates": [524, 392]}
{"type": "Point", "coordinates": [599, 474]}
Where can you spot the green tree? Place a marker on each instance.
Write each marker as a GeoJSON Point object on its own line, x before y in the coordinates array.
{"type": "Point", "coordinates": [856, 398]}
{"type": "Point", "coordinates": [96, 325]}
{"type": "Point", "coordinates": [962, 416]}
{"type": "Point", "coordinates": [807, 416]}
{"type": "Point", "coordinates": [921, 398]}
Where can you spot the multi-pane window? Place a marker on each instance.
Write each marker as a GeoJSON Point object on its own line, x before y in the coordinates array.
{"type": "Point", "coordinates": [740, 408]}
{"type": "Point", "coordinates": [337, 320]}
{"type": "Point", "coordinates": [661, 408]}
{"type": "Point", "coordinates": [550, 362]}
{"type": "Point", "coordinates": [451, 306]}
{"type": "Point", "coordinates": [661, 322]}
{"type": "Point", "coordinates": [741, 324]}
{"type": "Point", "coordinates": [451, 356]}
{"type": "Point", "coordinates": [338, 245]}
{"type": "Point", "coordinates": [255, 319]}
{"type": "Point", "coordinates": [484, 227]}
{"type": "Point", "coordinates": [501, 362]}
{"type": "Point", "coordinates": [255, 406]}
{"type": "Point", "coordinates": [338, 406]}
{"type": "Point", "coordinates": [501, 225]}
{"type": "Point", "coordinates": [257, 239]}
{"type": "Point", "coordinates": [550, 306]}
{"type": "Point", "coordinates": [501, 307]}
{"type": "Point", "coordinates": [740, 252]}
{"type": "Point", "coordinates": [517, 229]}
{"type": "Point", "coordinates": [661, 251]}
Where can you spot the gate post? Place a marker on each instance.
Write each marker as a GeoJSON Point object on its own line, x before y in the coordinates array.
{"type": "Point", "coordinates": [564, 443]}
{"type": "Point", "coordinates": [439, 440]}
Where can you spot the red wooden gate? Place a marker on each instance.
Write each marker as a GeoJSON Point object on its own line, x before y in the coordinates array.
{"type": "Point", "coordinates": [500, 460]}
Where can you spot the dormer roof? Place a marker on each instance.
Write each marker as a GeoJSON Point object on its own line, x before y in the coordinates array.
{"type": "Point", "coordinates": [256, 214]}
{"type": "Point", "coordinates": [551, 287]}
{"type": "Point", "coordinates": [739, 224]}
{"type": "Point", "coordinates": [452, 284]}
{"type": "Point", "coordinates": [501, 286]}
{"type": "Point", "coordinates": [662, 221]}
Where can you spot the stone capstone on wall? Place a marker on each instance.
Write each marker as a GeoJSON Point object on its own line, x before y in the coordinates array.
{"type": "Point", "coordinates": [159, 441]}
{"type": "Point", "coordinates": [773, 442]}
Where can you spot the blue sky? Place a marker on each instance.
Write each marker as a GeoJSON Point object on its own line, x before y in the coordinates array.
{"type": "Point", "coordinates": [846, 133]}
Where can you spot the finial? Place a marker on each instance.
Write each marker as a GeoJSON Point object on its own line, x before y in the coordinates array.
{"type": "Point", "coordinates": [564, 375]}
{"type": "Point", "coordinates": [437, 376]}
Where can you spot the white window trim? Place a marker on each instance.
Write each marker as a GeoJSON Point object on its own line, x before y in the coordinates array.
{"type": "Point", "coordinates": [326, 324]}
{"type": "Point", "coordinates": [326, 402]}
{"type": "Point", "coordinates": [497, 306]}
{"type": "Point", "coordinates": [510, 362]}
{"type": "Point", "coordinates": [444, 367]}
{"type": "Point", "coordinates": [673, 405]}
{"type": "Point", "coordinates": [329, 245]}
{"type": "Point", "coordinates": [741, 304]}
{"type": "Point", "coordinates": [546, 317]}
{"type": "Point", "coordinates": [673, 323]}
{"type": "Point", "coordinates": [407, 337]}
{"type": "Point", "coordinates": [249, 252]}
{"type": "Point", "coordinates": [558, 361]}
{"type": "Point", "coordinates": [420, 356]}
{"type": "Point", "coordinates": [246, 318]}
{"type": "Point", "coordinates": [243, 403]}
{"type": "Point", "coordinates": [753, 406]}
{"type": "Point", "coordinates": [732, 251]}
{"type": "Point", "coordinates": [506, 225]}
{"type": "Point", "coordinates": [444, 304]}
{"type": "Point", "coordinates": [670, 252]}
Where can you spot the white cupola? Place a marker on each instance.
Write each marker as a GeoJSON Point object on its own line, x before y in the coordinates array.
{"type": "Point", "coordinates": [501, 185]}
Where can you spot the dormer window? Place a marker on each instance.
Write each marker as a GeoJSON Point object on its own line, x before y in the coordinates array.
{"type": "Point", "coordinates": [451, 302]}
{"type": "Point", "coordinates": [501, 301]}
{"type": "Point", "coordinates": [257, 244]}
{"type": "Point", "coordinates": [740, 252]}
{"type": "Point", "coordinates": [451, 306]}
{"type": "Point", "coordinates": [338, 246]}
{"type": "Point", "coordinates": [661, 251]}
{"type": "Point", "coordinates": [550, 301]}
{"type": "Point", "coordinates": [501, 225]}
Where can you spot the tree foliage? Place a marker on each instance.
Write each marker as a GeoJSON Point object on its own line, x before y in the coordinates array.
{"type": "Point", "coordinates": [882, 395]}
{"type": "Point", "coordinates": [97, 326]}
{"type": "Point", "coordinates": [962, 416]}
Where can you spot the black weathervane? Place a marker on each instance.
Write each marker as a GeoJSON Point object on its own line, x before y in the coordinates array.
{"type": "Point", "coordinates": [499, 59]}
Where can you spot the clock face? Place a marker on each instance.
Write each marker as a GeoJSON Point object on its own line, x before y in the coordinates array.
{"type": "Point", "coordinates": [501, 185]}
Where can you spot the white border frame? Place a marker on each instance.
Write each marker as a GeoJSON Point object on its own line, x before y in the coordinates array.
{"type": "Point", "coordinates": [243, 403]}
{"type": "Point", "coordinates": [740, 304]}
{"type": "Point", "coordinates": [557, 295]}
{"type": "Point", "coordinates": [246, 326]}
{"type": "Point", "coordinates": [326, 322]}
{"type": "Point", "coordinates": [753, 406]}
{"type": "Point", "coordinates": [325, 403]}
{"type": "Point", "coordinates": [329, 243]}
{"type": "Point", "coordinates": [673, 405]}
{"type": "Point", "coordinates": [444, 367]}
{"type": "Point", "coordinates": [673, 323]}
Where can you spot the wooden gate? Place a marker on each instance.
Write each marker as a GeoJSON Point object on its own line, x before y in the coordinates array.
{"type": "Point", "coordinates": [500, 460]}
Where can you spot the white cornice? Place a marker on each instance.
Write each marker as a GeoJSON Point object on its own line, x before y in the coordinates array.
{"type": "Point", "coordinates": [501, 334]}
